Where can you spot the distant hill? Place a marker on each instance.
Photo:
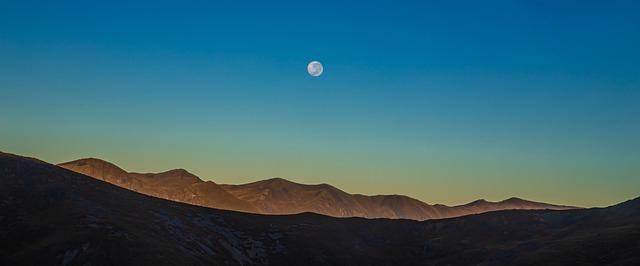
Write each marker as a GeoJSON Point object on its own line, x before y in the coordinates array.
{"type": "Point", "coordinates": [50, 215]}
{"type": "Point", "coordinates": [280, 196]}
{"type": "Point", "coordinates": [177, 185]}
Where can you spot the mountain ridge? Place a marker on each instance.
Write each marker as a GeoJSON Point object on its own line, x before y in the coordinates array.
{"type": "Point", "coordinates": [51, 215]}
{"type": "Point", "coordinates": [176, 184]}
{"type": "Point", "coordinates": [281, 196]}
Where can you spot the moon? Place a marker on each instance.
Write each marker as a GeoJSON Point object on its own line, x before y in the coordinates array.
{"type": "Point", "coordinates": [315, 68]}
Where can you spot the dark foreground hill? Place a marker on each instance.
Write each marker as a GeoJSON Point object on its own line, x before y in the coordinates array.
{"type": "Point", "coordinates": [280, 196]}
{"type": "Point", "coordinates": [50, 215]}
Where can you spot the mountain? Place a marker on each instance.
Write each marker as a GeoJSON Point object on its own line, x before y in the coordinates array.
{"type": "Point", "coordinates": [177, 185]}
{"type": "Point", "coordinates": [481, 205]}
{"type": "Point", "coordinates": [50, 215]}
{"type": "Point", "coordinates": [280, 196]}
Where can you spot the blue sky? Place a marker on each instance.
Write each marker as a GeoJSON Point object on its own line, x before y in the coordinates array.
{"type": "Point", "coordinates": [445, 101]}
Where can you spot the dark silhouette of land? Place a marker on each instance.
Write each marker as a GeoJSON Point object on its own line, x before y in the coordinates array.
{"type": "Point", "coordinates": [51, 215]}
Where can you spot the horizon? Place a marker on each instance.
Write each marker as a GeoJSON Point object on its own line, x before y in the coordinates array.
{"type": "Point", "coordinates": [306, 184]}
{"type": "Point", "coordinates": [314, 184]}
{"type": "Point", "coordinates": [446, 103]}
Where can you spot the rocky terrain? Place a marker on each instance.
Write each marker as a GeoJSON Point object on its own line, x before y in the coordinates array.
{"type": "Point", "coordinates": [280, 196]}
{"type": "Point", "coordinates": [50, 215]}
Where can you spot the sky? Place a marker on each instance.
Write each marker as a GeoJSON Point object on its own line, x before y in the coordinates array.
{"type": "Point", "coordinates": [443, 101]}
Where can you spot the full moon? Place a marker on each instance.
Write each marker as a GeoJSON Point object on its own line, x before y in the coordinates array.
{"type": "Point", "coordinates": [314, 68]}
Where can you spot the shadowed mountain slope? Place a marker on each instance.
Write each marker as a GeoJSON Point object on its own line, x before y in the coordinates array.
{"type": "Point", "coordinates": [49, 215]}
{"type": "Point", "coordinates": [280, 196]}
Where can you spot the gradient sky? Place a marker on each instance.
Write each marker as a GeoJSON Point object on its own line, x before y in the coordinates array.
{"type": "Point", "coordinates": [444, 101]}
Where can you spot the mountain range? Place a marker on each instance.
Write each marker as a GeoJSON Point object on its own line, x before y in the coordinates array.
{"type": "Point", "coordinates": [280, 196]}
{"type": "Point", "coordinates": [50, 215]}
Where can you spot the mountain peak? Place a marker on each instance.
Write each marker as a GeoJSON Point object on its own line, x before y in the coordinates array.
{"type": "Point", "coordinates": [89, 161]}
{"type": "Point", "coordinates": [91, 165]}
{"type": "Point", "coordinates": [515, 199]}
{"type": "Point", "coordinates": [278, 179]}
{"type": "Point", "coordinates": [178, 171]}
{"type": "Point", "coordinates": [477, 202]}
{"type": "Point", "coordinates": [281, 182]}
